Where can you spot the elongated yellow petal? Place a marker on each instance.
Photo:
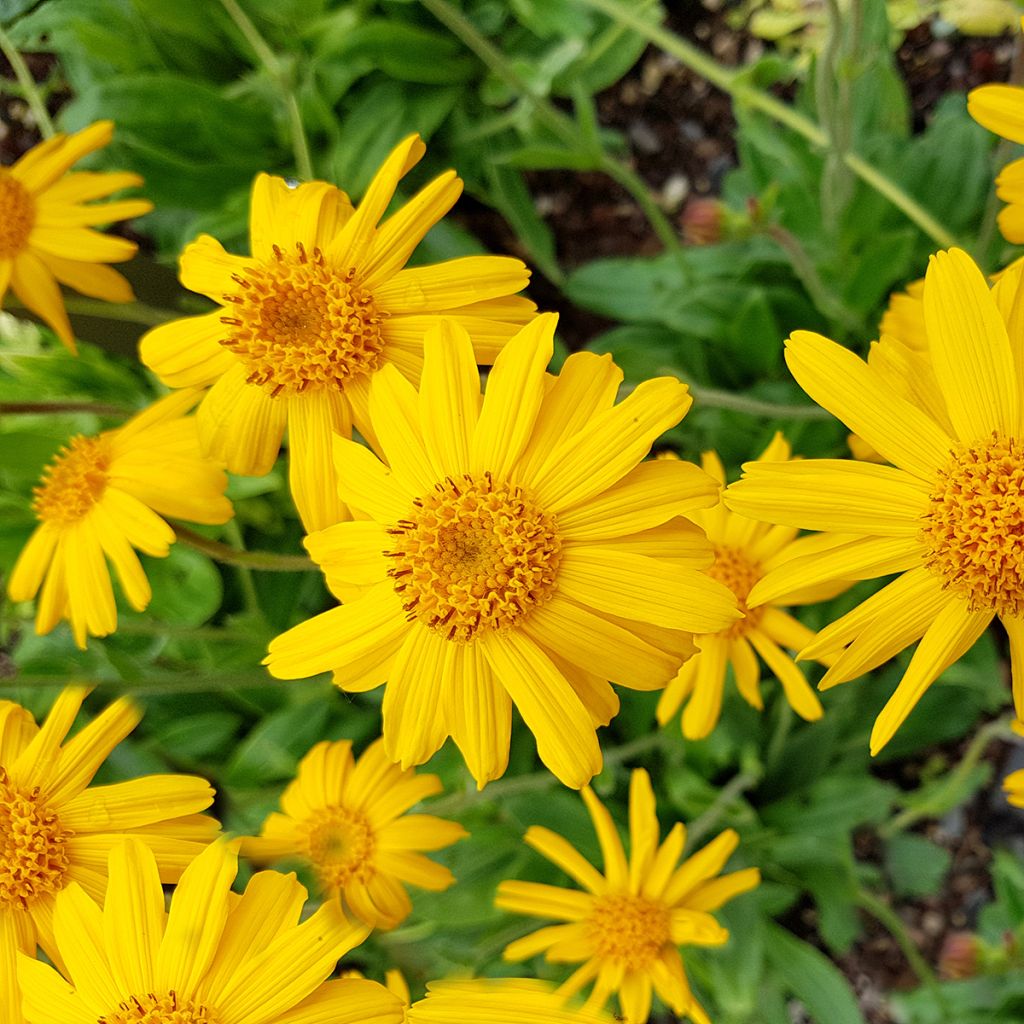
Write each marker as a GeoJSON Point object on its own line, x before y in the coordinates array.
{"type": "Point", "coordinates": [999, 108]}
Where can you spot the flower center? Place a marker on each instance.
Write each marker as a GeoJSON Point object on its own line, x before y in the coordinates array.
{"type": "Point", "coordinates": [74, 481]}
{"type": "Point", "coordinates": [974, 527]}
{"type": "Point", "coordinates": [298, 324]}
{"type": "Point", "coordinates": [340, 845]}
{"type": "Point", "coordinates": [474, 555]}
{"type": "Point", "coordinates": [17, 215]}
{"type": "Point", "coordinates": [628, 929]}
{"type": "Point", "coordinates": [153, 1009]}
{"type": "Point", "coordinates": [33, 855]}
{"type": "Point", "coordinates": [733, 569]}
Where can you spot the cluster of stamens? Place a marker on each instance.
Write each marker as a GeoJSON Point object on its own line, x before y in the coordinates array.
{"type": "Point", "coordinates": [74, 481]}
{"type": "Point", "coordinates": [974, 527]}
{"type": "Point", "coordinates": [735, 570]}
{"type": "Point", "coordinates": [33, 847]}
{"type": "Point", "coordinates": [340, 844]}
{"type": "Point", "coordinates": [474, 555]}
{"type": "Point", "coordinates": [17, 215]}
{"type": "Point", "coordinates": [628, 929]}
{"type": "Point", "coordinates": [154, 1009]}
{"type": "Point", "coordinates": [297, 323]}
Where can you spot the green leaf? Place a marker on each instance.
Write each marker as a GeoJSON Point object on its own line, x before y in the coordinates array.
{"type": "Point", "coordinates": [915, 864]}
{"type": "Point", "coordinates": [812, 978]}
{"type": "Point", "coordinates": [187, 588]}
{"type": "Point", "coordinates": [539, 157]}
{"type": "Point", "coordinates": [271, 752]}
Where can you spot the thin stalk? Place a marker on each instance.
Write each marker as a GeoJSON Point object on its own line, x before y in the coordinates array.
{"type": "Point", "coordinates": [712, 398]}
{"type": "Point", "coordinates": [275, 67]}
{"type": "Point", "coordinates": [893, 924]}
{"type": "Point", "coordinates": [245, 578]}
{"type": "Point", "coordinates": [709, 820]}
{"type": "Point", "coordinates": [38, 408]}
{"type": "Point", "coordinates": [261, 561]}
{"type": "Point", "coordinates": [130, 312]}
{"type": "Point", "coordinates": [744, 94]}
{"type": "Point", "coordinates": [29, 90]}
{"type": "Point", "coordinates": [560, 123]}
{"type": "Point", "coordinates": [910, 816]}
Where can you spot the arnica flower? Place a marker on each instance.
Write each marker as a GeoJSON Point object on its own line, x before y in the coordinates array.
{"type": "Point", "coordinates": [56, 831]}
{"type": "Point", "coordinates": [493, 1000]}
{"type": "Point", "coordinates": [903, 318]}
{"type": "Point", "coordinates": [745, 551]}
{"type": "Point", "coordinates": [626, 928]}
{"type": "Point", "coordinates": [946, 515]}
{"type": "Point", "coordinates": [46, 221]}
{"type": "Point", "coordinates": [213, 958]}
{"type": "Point", "coordinates": [99, 500]}
{"type": "Point", "coordinates": [324, 301]}
{"type": "Point", "coordinates": [1000, 109]}
{"type": "Point", "coordinates": [347, 819]}
{"type": "Point", "coordinates": [514, 552]}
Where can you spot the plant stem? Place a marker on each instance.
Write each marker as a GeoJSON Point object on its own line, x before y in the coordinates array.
{"type": "Point", "coordinates": [29, 89]}
{"type": "Point", "coordinates": [713, 398]}
{"type": "Point", "coordinates": [261, 561]}
{"type": "Point", "coordinates": [893, 924]}
{"type": "Point", "coordinates": [245, 579]}
{"type": "Point", "coordinates": [37, 408]}
{"type": "Point", "coordinates": [732, 790]}
{"type": "Point", "coordinates": [130, 312]}
{"type": "Point", "coordinates": [746, 95]}
{"type": "Point", "coordinates": [277, 70]}
{"type": "Point", "coordinates": [910, 816]}
{"type": "Point", "coordinates": [561, 124]}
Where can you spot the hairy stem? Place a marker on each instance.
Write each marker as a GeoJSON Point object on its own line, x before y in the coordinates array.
{"type": "Point", "coordinates": [261, 561]}
{"type": "Point", "coordinates": [29, 90]}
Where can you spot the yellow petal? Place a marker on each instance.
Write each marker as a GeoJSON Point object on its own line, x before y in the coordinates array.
{"type": "Point", "coordinates": [314, 419]}
{"type": "Point", "coordinates": [187, 352]}
{"type": "Point", "coordinates": [35, 286]}
{"type": "Point", "coordinates": [1000, 109]}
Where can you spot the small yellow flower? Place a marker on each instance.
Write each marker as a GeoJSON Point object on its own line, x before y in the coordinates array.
{"type": "Point", "coordinates": [213, 958]}
{"type": "Point", "coordinates": [903, 318]}
{"type": "Point", "coordinates": [515, 550]}
{"type": "Point", "coordinates": [324, 301]}
{"type": "Point", "coordinates": [46, 223]}
{"type": "Point", "coordinates": [745, 551]}
{"type": "Point", "coordinates": [494, 1000]}
{"type": "Point", "coordinates": [56, 831]}
{"type": "Point", "coordinates": [1013, 784]}
{"type": "Point", "coordinates": [347, 819]}
{"type": "Point", "coordinates": [626, 928]}
{"type": "Point", "coordinates": [99, 500]}
{"type": "Point", "coordinates": [947, 515]}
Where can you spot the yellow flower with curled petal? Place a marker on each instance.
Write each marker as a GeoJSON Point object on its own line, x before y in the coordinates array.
{"type": "Point", "coordinates": [946, 515]}
{"type": "Point", "coordinates": [515, 550]}
{"type": "Point", "coordinates": [745, 552]}
{"type": "Point", "coordinates": [347, 819]}
{"type": "Point", "coordinates": [626, 929]}
{"type": "Point", "coordinates": [56, 830]}
{"type": "Point", "coordinates": [99, 500]}
{"type": "Point", "coordinates": [307, 321]}
{"type": "Point", "coordinates": [46, 219]}
{"type": "Point", "coordinates": [213, 958]}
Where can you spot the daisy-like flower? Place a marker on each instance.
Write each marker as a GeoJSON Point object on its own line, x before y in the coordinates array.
{"type": "Point", "coordinates": [46, 221]}
{"type": "Point", "coordinates": [324, 301]}
{"type": "Point", "coordinates": [347, 819]}
{"type": "Point", "coordinates": [100, 499]}
{"type": "Point", "coordinates": [904, 317]}
{"type": "Point", "coordinates": [213, 958]}
{"type": "Point", "coordinates": [626, 928]}
{"type": "Point", "coordinates": [56, 830]}
{"type": "Point", "coordinates": [745, 551]}
{"type": "Point", "coordinates": [513, 552]}
{"type": "Point", "coordinates": [489, 1000]}
{"type": "Point", "coordinates": [946, 515]}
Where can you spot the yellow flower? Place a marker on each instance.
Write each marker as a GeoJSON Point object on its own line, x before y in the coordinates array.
{"type": "Point", "coordinates": [99, 500]}
{"type": "Point", "coordinates": [213, 958]}
{"type": "Point", "coordinates": [46, 223]}
{"type": "Point", "coordinates": [1013, 784]}
{"type": "Point", "coordinates": [947, 515]}
{"type": "Point", "coordinates": [626, 928]}
{"type": "Point", "coordinates": [56, 830]}
{"type": "Point", "coordinates": [745, 551]}
{"type": "Point", "coordinates": [513, 552]}
{"type": "Point", "coordinates": [903, 318]}
{"type": "Point", "coordinates": [348, 820]}
{"type": "Point", "coordinates": [322, 304]}
{"type": "Point", "coordinates": [1000, 109]}
{"type": "Point", "coordinates": [491, 1000]}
